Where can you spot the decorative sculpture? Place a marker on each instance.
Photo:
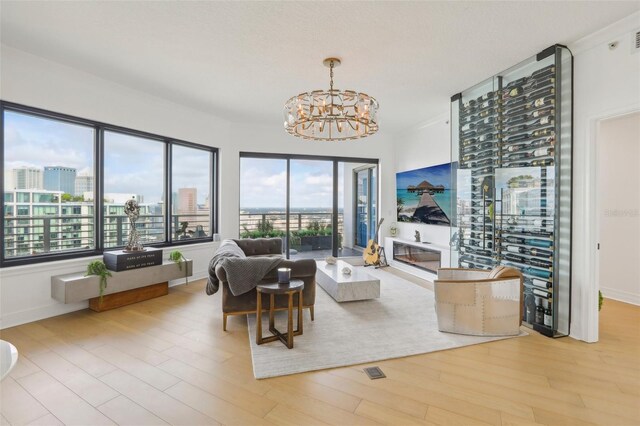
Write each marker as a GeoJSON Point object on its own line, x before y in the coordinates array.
{"type": "Point", "coordinates": [346, 271]}
{"type": "Point", "coordinates": [331, 260]}
{"type": "Point", "coordinates": [132, 210]}
{"type": "Point", "coordinates": [417, 236]}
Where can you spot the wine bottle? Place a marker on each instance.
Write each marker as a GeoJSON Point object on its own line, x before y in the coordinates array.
{"type": "Point", "coordinates": [540, 253]}
{"type": "Point", "coordinates": [541, 93]}
{"type": "Point", "coordinates": [542, 112]}
{"type": "Point", "coordinates": [548, 320]}
{"type": "Point", "coordinates": [518, 82]}
{"type": "Point", "coordinates": [514, 258]}
{"type": "Point", "coordinates": [542, 163]}
{"type": "Point", "coordinates": [542, 132]}
{"type": "Point", "coordinates": [486, 137]}
{"type": "Point", "coordinates": [516, 249]}
{"type": "Point", "coordinates": [540, 263]}
{"type": "Point", "coordinates": [488, 103]}
{"type": "Point", "coordinates": [542, 71]}
{"type": "Point", "coordinates": [540, 83]}
{"type": "Point", "coordinates": [540, 283]}
{"type": "Point", "coordinates": [537, 272]}
{"type": "Point", "coordinates": [486, 253]}
{"type": "Point", "coordinates": [516, 129]}
{"type": "Point", "coordinates": [530, 307]}
{"type": "Point", "coordinates": [516, 119]}
{"type": "Point", "coordinates": [479, 219]}
{"type": "Point", "coordinates": [516, 91]}
{"type": "Point", "coordinates": [468, 157]}
{"type": "Point", "coordinates": [487, 96]}
{"type": "Point", "coordinates": [539, 315]}
{"type": "Point", "coordinates": [514, 157]}
{"type": "Point", "coordinates": [485, 113]}
{"type": "Point", "coordinates": [543, 102]}
{"type": "Point", "coordinates": [546, 120]}
{"type": "Point", "coordinates": [521, 109]}
{"type": "Point", "coordinates": [541, 293]}
{"type": "Point", "coordinates": [538, 243]}
{"type": "Point", "coordinates": [469, 104]}
{"type": "Point", "coordinates": [543, 152]}
{"type": "Point", "coordinates": [468, 127]}
{"type": "Point", "coordinates": [514, 240]}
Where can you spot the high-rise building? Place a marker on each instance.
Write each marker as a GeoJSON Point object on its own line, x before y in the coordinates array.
{"type": "Point", "coordinates": [60, 178]}
{"type": "Point", "coordinates": [84, 183]}
{"type": "Point", "coordinates": [187, 201]}
{"type": "Point", "coordinates": [23, 178]}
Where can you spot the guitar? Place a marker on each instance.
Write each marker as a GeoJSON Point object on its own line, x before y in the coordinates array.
{"type": "Point", "coordinates": [371, 254]}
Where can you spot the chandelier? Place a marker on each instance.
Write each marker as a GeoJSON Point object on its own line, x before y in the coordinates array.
{"type": "Point", "coordinates": [331, 115]}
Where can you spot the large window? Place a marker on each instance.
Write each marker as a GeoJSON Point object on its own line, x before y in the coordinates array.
{"type": "Point", "coordinates": [191, 193]}
{"type": "Point", "coordinates": [307, 201]}
{"type": "Point", "coordinates": [58, 172]}
{"type": "Point", "coordinates": [133, 168]}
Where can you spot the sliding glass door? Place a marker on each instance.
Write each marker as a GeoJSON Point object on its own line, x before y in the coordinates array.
{"type": "Point", "coordinates": [365, 204]}
{"type": "Point", "coordinates": [263, 198]}
{"type": "Point", "coordinates": [310, 208]}
{"type": "Point", "coordinates": [307, 201]}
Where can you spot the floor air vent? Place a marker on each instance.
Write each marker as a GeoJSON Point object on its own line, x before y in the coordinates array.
{"type": "Point", "coordinates": [374, 373]}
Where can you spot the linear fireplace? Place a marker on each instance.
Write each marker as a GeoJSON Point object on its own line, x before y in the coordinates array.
{"type": "Point", "coordinates": [420, 257]}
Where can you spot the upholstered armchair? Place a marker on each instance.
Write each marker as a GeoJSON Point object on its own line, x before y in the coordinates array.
{"type": "Point", "coordinates": [479, 302]}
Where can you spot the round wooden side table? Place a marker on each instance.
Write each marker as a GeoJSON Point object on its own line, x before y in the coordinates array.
{"type": "Point", "coordinates": [293, 287]}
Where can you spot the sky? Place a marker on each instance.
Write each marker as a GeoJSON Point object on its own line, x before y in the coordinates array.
{"type": "Point", "coordinates": [132, 164]}
{"type": "Point", "coordinates": [435, 175]}
{"type": "Point", "coordinates": [263, 183]}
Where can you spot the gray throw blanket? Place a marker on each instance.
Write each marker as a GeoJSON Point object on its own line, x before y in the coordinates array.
{"type": "Point", "coordinates": [243, 273]}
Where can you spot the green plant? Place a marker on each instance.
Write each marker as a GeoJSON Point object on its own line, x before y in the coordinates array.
{"type": "Point", "coordinates": [97, 267]}
{"type": "Point", "coordinates": [178, 257]}
{"type": "Point", "coordinates": [265, 225]}
{"type": "Point", "coordinates": [600, 300]}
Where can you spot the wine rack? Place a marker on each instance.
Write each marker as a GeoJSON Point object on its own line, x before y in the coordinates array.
{"type": "Point", "coordinates": [511, 137]}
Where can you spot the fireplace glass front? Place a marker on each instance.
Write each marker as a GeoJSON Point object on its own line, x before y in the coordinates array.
{"type": "Point", "coordinates": [420, 257]}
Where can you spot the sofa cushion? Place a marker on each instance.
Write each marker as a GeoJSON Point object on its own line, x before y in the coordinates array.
{"type": "Point", "coordinates": [260, 246]}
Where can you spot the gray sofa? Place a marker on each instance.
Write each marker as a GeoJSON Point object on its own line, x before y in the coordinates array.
{"type": "Point", "coordinates": [304, 269]}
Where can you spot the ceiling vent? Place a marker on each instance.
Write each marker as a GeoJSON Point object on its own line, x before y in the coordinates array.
{"type": "Point", "coordinates": [635, 41]}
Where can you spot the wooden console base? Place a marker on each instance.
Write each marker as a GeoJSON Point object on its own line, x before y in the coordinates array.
{"type": "Point", "coordinates": [123, 298]}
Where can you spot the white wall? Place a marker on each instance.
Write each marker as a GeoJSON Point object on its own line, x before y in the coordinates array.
{"type": "Point", "coordinates": [36, 82]}
{"type": "Point", "coordinates": [606, 84]}
{"type": "Point", "coordinates": [618, 207]}
{"type": "Point", "coordinates": [426, 145]}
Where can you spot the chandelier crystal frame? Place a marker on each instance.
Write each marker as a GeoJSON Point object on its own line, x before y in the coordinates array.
{"type": "Point", "coordinates": [331, 115]}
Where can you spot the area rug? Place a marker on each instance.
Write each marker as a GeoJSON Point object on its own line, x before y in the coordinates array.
{"type": "Point", "coordinates": [400, 323]}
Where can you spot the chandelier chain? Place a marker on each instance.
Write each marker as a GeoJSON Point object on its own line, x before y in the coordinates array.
{"type": "Point", "coordinates": [331, 75]}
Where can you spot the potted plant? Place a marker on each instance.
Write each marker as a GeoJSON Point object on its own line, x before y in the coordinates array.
{"type": "Point", "coordinates": [98, 268]}
{"type": "Point", "coordinates": [178, 257]}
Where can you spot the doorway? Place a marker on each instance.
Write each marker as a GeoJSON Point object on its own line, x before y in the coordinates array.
{"type": "Point", "coordinates": [618, 207]}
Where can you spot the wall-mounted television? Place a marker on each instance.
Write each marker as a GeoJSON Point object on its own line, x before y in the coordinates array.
{"type": "Point", "coordinates": [424, 195]}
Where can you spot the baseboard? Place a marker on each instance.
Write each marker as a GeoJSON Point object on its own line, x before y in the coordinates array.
{"type": "Point", "coordinates": [24, 317]}
{"type": "Point", "coordinates": [620, 295]}
{"type": "Point", "coordinates": [42, 312]}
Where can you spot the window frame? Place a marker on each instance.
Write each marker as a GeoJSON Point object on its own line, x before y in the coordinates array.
{"type": "Point", "coordinates": [98, 147]}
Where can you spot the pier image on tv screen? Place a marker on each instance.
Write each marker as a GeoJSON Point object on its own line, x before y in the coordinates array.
{"type": "Point", "coordinates": [424, 195]}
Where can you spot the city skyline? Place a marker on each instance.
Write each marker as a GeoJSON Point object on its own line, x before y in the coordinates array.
{"type": "Point", "coordinates": [132, 164]}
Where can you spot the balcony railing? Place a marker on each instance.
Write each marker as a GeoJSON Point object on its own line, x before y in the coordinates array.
{"type": "Point", "coordinates": [278, 221]}
{"type": "Point", "coordinates": [33, 235]}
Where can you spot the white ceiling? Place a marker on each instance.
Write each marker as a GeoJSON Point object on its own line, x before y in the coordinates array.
{"type": "Point", "coordinates": [242, 60]}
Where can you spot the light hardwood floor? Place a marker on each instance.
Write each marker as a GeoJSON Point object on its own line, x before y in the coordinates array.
{"type": "Point", "coordinates": [167, 360]}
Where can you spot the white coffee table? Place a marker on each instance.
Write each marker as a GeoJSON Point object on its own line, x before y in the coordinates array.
{"type": "Point", "coordinates": [346, 288]}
